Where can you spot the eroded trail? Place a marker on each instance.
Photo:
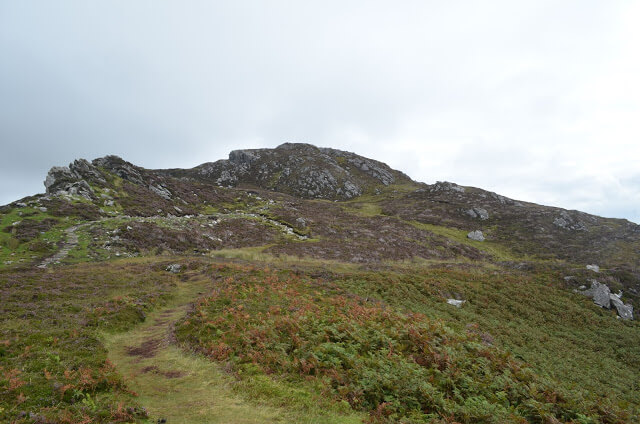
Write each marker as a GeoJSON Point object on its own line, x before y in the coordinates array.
{"type": "Point", "coordinates": [176, 386]}
{"type": "Point", "coordinates": [70, 242]}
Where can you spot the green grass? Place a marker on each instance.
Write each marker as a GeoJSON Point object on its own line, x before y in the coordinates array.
{"type": "Point", "coordinates": [495, 249]}
{"type": "Point", "coordinates": [185, 387]}
{"type": "Point", "coordinates": [378, 352]}
{"type": "Point", "coordinates": [560, 334]}
{"type": "Point", "coordinates": [52, 364]}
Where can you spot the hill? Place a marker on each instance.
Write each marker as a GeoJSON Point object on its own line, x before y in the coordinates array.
{"type": "Point", "coordinates": [314, 276]}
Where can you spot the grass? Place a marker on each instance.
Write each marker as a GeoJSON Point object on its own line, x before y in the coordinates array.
{"type": "Point", "coordinates": [381, 355]}
{"type": "Point", "coordinates": [183, 387]}
{"type": "Point", "coordinates": [497, 250]}
{"type": "Point", "coordinates": [52, 365]}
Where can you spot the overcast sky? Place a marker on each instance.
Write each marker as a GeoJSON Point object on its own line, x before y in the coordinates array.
{"type": "Point", "coordinates": [536, 100]}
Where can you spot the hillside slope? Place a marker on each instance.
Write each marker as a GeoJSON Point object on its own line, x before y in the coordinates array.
{"type": "Point", "coordinates": [287, 234]}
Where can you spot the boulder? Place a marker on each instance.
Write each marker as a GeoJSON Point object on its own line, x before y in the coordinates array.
{"type": "Point", "coordinates": [455, 302]}
{"type": "Point", "coordinates": [477, 213]}
{"type": "Point", "coordinates": [62, 180]}
{"type": "Point", "coordinates": [600, 294]}
{"type": "Point", "coordinates": [161, 191]}
{"type": "Point", "coordinates": [476, 235]}
{"type": "Point", "coordinates": [567, 222]}
{"type": "Point", "coordinates": [594, 268]}
{"type": "Point", "coordinates": [624, 311]}
{"type": "Point", "coordinates": [446, 186]}
{"type": "Point", "coordinates": [58, 177]}
{"type": "Point", "coordinates": [174, 268]}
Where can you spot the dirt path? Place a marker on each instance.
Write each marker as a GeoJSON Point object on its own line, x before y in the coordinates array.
{"type": "Point", "coordinates": [70, 242]}
{"type": "Point", "coordinates": [174, 385]}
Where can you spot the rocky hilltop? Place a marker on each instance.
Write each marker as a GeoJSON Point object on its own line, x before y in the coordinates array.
{"type": "Point", "coordinates": [298, 169]}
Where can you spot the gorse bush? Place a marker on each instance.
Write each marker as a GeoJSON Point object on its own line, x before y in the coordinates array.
{"type": "Point", "coordinates": [401, 367]}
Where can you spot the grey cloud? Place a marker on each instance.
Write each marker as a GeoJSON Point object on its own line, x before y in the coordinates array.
{"type": "Point", "coordinates": [440, 90]}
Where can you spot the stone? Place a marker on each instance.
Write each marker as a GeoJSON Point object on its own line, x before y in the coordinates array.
{"type": "Point", "coordinates": [477, 213]}
{"type": "Point", "coordinates": [85, 170]}
{"type": "Point", "coordinates": [594, 268]}
{"type": "Point", "coordinates": [161, 191]}
{"type": "Point", "coordinates": [446, 186]}
{"type": "Point", "coordinates": [567, 222]}
{"type": "Point", "coordinates": [624, 311]}
{"type": "Point", "coordinates": [600, 294]}
{"type": "Point", "coordinates": [476, 235]}
{"type": "Point", "coordinates": [58, 176]}
{"type": "Point", "coordinates": [455, 302]}
{"type": "Point", "coordinates": [301, 222]}
{"type": "Point", "coordinates": [174, 268]}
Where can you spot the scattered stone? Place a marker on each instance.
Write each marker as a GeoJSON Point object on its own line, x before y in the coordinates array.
{"type": "Point", "coordinates": [476, 235]}
{"type": "Point", "coordinates": [174, 268]}
{"type": "Point", "coordinates": [455, 302]}
{"type": "Point", "coordinates": [594, 268]}
{"type": "Point", "coordinates": [301, 222]}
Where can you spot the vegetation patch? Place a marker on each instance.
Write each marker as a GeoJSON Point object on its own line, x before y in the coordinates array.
{"type": "Point", "coordinates": [398, 366]}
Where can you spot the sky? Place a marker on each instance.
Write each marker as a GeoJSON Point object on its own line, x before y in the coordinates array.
{"type": "Point", "coordinates": [535, 100]}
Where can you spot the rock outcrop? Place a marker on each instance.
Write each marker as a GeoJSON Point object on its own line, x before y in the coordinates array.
{"type": "Point", "coordinates": [602, 296]}
{"type": "Point", "coordinates": [476, 235]}
{"type": "Point", "coordinates": [624, 311]}
{"type": "Point", "coordinates": [69, 181]}
{"type": "Point", "coordinates": [567, 222]}
{"type": "Point", "coordinates": [477, 213]}
{"type": "Point", "coordinates": [298, 169]}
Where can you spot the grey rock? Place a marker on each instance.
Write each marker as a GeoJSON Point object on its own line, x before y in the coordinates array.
{"type": "Point", "coordinates": [455, 302]}
{"type": "Point", "coordinates": [567, 222]}
{"type": "Point", "coordinates": [624, 311]}
{"type": "Point", "coordinates": [299, 169]}
{"type": "Point", "coordinates": [301, 222]}
{"type": "Point", "coordinates": [600, 294]}
{"type": "Point", "coordinates": [72, 180]}
{"type": "Point", "coordinates": [161, 191]}
{"type": "Point", "coordinates": [477, 213]}
{"type": "Point", "coordinates": [174, 268]}
{"type": "Point", "coordinates": [593, 267]}
{"type": "Point", "coordinates": [86, 171]}
{"type": "Point", "coordinates": [121, 168]}
{"type": "Point", "coordinates": [57, 177]}
{"type": "Point", "coordinates": [476, 235]}
{"type": "Point", "coordinates": [446, 186]}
